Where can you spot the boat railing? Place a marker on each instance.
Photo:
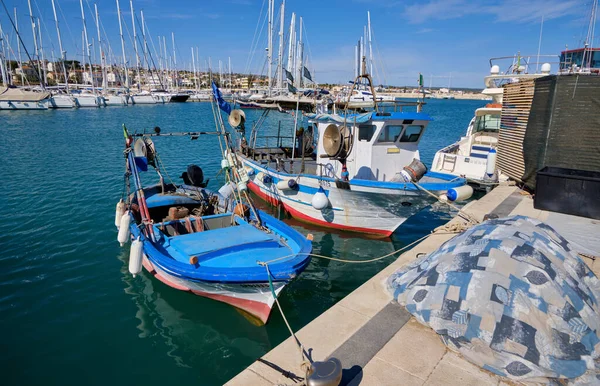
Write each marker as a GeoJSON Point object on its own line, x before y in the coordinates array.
{"type": "Point", "coordinates": [523, 64]}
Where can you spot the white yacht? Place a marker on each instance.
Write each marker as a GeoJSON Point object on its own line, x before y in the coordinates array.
{"type": "Point", "coordinates": [474, 155]}
{"type": "Point", "coordinates": [61, 101]}
{"type": "Point", "coordinates": [12, 98]}
{"type": "Point", "coordinates": [366, 96]}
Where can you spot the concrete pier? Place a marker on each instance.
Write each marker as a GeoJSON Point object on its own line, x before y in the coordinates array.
{"type": "Point", "coordinates": [379, 342]}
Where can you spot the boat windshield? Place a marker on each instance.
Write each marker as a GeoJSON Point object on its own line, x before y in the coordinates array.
{"type": "Point", "coordinates": [487, 123]}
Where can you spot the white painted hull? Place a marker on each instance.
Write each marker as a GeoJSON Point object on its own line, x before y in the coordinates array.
{"type": "Point", "coordinates": [20, 105]}
{"type": "Point", "coordinates": [115, 100]}
{"type": "Point", "coordinates": [143, 99]}
{"type": "Point", "coordinates": [61, 102]}
{"type": "Point", "coordinates": [89, 101]}
{"type": "Point", "coordinates": [376, 211]}
{"type": "Point", "coordinates": [199, 98]}
{"type": "Point", "coordinates": [255, 299]}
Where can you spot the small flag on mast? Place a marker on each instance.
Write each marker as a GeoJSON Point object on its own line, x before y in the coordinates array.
{"type": "Point", "coordinates": [288, 75]}
{"type": "Point", "coordinates": [307, 74]}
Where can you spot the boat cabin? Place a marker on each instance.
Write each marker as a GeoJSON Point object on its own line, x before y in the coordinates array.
{"type": "Point", "coordinates": [580, 59]}
{"type": "Point", "coordinates": [375, 146]}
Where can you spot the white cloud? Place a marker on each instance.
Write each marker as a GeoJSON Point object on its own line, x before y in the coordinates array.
{"type": "Point", "coordinates": [500, 11]}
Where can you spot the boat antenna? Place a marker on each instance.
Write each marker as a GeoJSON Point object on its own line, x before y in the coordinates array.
{"type": "Point", "coordinates": [539, 46]}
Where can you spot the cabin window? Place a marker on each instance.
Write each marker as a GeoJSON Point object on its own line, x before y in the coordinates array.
{"type": "Point", "coordinates": [365, 132]}
{"type": "Point", "coordinates": [389, 134]}
{"type": "Point", "coordinates": [489, 123]}
{"type": "Point", "coordinates": [412, 133]}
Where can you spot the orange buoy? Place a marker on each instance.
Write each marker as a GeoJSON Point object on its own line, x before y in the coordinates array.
{"type": "Point", "coordinates": [241, 210]}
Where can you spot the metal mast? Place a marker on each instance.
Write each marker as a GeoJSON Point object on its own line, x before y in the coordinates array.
{"type": "Point", "coordinates": [176, 75]}
{"type": "Point", "coordinates": [63, 54]}
{"type": "Point", "coordinates": [35, 42]}
{"type": "Point", "coordinates": [123, 45]}
{"type": "Point", "coordinates": [102, 57]}
{"type": "Point", "coordinates": [194, 69]}
{"type": "Point", "coordinates": [137, 57]}
{"type": "Point", "coordinates": [87, 45]}
{"type": "Point", "coordinates": [145, 43]}
{"type": "Point", "coordinates": [370, 36]}
{"type": "Point", "coordinates": [39, 28]}
{"type": "Point", "coordinates": [19, 49]}
{"type": "Point", "coordinates": [290, 61]}
{"type": "Point", "coordinates": [280, 55]}
{"type": "Point", "coordinates": [300, 50]}
{"type": "Point", "coordinates": [270, 44]}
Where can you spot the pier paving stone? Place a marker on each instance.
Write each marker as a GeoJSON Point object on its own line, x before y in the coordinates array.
{"type": "Point", "coordinates": [449, 374]}
{"type": "Point", "coordinates": [415, 349]}
{"type": "Point", "coordinates": [381, 373]}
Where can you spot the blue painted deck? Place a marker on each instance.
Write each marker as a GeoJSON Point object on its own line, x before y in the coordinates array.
{"type": "Point", "coordinates": [242, 244]}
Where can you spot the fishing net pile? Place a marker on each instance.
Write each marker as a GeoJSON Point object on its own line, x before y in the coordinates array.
{"type": "Point", "coordinates": [512, 297]}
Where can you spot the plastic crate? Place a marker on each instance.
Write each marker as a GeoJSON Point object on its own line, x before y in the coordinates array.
{"type": "Point", "coordinates": [568, 191]}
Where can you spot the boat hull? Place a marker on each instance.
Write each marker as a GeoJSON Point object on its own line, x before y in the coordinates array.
{"type": "Point", "coordinates": [143, 100]}
{"type": "Point", "coordinates": [24, 105]}
{"type": "Point", "coordinates": [61, 102]}
{"type": "Point", "coordinates": [115, 100]}
{"type": "Point", "coordinates": [180, 98]}
{"type": "Point", "coordinates": [89, 101]}
{"type": "Point", "coordinates": [371, 210]}
{"type": "Point", "coordinates": [255, 299]}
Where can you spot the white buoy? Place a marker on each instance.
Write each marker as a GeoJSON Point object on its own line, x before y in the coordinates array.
{"type": "Point", "coordinates": [320, 200]}
{"type": "Point", "coordinates": [123, 236]}
{"type": "Point", "coordinates": [490, 167]}
{"type": "Point", "coordinates": [241, 186]}
{"type": "Point", "coordinates": [287, 184]}
{"type": "Point", "coordinates": [460, 194]}
{"type": "Point", "coordinates": [135, 257]}
{"type": "Point", "coordinates": [119, 213]}
{"type": "Point", "coordinates": [225, 164]}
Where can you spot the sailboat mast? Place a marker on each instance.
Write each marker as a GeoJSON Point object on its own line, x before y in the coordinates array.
{"type": "Point", "coordinates": [62, 52]}
{"type": "Point", "coordinates": [19, 49]}
{"type": "Point", "coordinates": [229, 65]}
{"type": "Point", "coordinates": [198, 72]}
{"type": "Point", "coordinates": [123, 46]}
{"type": "Point", "coordinates": [39, 28]}
{"type": "Point", "coordinates": [3, 66]}
{"type": "Point", "coordinates": [194, 69]}
{"type": "Point", "coordinates": [300, 50]}
{"type": "Point", "coordinates": [87, 45]}
{"type": "Point", "coordinates": [35, 41]}
{"type": "Point", "coordinates": [370, 36]}
{"type": "Point", "coordinates": [102, 57]}
{"type": "Point", "coordinates": [270, 44]}
{"type": "Point", "coordinates": [280, 55]}
{"type": "Point", "coordinates": [164, 39]}
{"type": "Point", "coordinates": [145, 43]}
{"type": "Point", "coordinates": [176, 79]}
{"type": "Point", "coordinates": [137, 57]}
{"type": "Point", "coordinates": [291, 45]}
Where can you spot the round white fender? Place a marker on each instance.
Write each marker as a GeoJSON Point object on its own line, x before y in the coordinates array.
{"type": "Point", "coordinates": [460, 194]}
{"type": "Point", "coordinates": [490, 167]}
{"type": "Point", "coordinates": [119, 213]}
{"type": "Point", "coordinates": [123, 236]}
{"type": "Point", "coordinates": [241, 186]}
{"type": "Point", "coordinates": [320, 200]}
{"type": "Point", "coordinates": [135, 257]}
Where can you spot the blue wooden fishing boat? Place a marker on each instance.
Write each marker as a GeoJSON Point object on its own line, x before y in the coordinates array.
{"type": "Point", "coordinates": [213, 244]}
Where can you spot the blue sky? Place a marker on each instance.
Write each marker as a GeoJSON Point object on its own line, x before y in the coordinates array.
{"type": "Point", "coordinates": [434, 37]}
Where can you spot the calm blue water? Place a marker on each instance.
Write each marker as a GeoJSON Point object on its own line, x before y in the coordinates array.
{"type": "Point", "coordinates": [70, 312]}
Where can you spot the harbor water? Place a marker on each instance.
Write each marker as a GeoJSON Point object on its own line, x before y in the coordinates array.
{"type": "Point", "coordinates": [70, 311]}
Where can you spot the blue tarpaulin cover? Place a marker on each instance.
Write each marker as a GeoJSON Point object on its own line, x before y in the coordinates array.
{"type": "Point", "coordinates": [511, 296]}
